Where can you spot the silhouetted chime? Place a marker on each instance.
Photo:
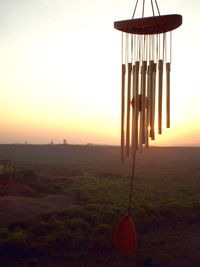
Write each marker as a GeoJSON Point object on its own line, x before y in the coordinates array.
{"type": "Point", "coordinates": [146, 65]}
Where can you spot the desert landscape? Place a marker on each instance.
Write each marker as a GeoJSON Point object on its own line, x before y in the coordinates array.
{"type": "Point", "coordinates": [59, 205]}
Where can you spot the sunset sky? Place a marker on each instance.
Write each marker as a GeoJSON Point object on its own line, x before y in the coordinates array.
{"type": "Point", "coordinates": [60, 71]}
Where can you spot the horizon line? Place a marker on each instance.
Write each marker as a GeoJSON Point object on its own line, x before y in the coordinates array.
{"type": "Point", "coordinates": [95, 144]}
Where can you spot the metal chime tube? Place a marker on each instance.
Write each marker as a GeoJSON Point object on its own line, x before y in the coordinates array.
{"type": "Point", "coordinates": [136, 106]}
{"type": "Point", "coordinates": [133, 107]}
{"type": "Point", "coordinates": [153, 101]}
{"type": "Point", "coordinates": [151, 98]}
{"type": "Point", "coordinates": [140, 114]}
{"type": "Point", "coordinates": [144, 99]}
{"type": "Point", "coordinates": [142, 102]}
{"type": "Point", "coordinates": [128, 109]}
{"type": "Point", "coordinates": [160, 94]}
{"type": "Point", "coordinates": [147, 117]}
{"type": "Point", "coordinates": [122, 110]}
{"type": "Point", "coordinates": [168, 67]}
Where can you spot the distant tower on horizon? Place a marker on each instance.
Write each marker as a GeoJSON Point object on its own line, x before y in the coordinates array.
{"type": "Point", "coordinates": [51, 141]}
{"type": "Point", "coordinates": [64, 141]}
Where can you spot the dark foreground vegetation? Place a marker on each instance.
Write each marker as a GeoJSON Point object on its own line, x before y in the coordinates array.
{"type": "Point", "coordinates": [59, 206]}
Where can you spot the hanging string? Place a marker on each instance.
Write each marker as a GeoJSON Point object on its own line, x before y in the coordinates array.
{"type": "Point", "coordinates": [147, 42]}
{"type": "Point", "coordinates": [145, 51]}
{"type": "Point", "coordinates": [152, 7]}
{"type": "Point", "coordinates": [132, 48]}
{"type": "Point", "coordinates": [135, 48]}
{"type": "Point", "coordinates": [149, 47]}
{"type": "Point", "coordinates": [132, 179]}
{"type": "Point", "coordinates": [138, 46]}
{"type": "Point", "coordinates": [157, 7]}
{"type": "Point", "coordinates": [157, 48]}
{"type": "Point", "coordinates": [122, 49]}
{"type": "Point", "coordinates": [164, 48]}
{"type": "Point", "coordinates": [170, 46]}
{"type": "Point", "coordinates": [135, 9]}
{"type": "Point", "coordinates": [126, 49]}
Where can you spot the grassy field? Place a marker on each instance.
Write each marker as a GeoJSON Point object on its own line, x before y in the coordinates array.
{"type": "Point", "coordinates": [59, 206]}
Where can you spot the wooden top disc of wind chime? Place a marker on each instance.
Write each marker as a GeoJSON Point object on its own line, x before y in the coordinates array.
{"type": "Point", "coordinates": [149, 25]}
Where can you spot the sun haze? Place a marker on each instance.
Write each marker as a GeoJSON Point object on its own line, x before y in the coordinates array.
{"type": "Point", "coordinates": [60, 72]}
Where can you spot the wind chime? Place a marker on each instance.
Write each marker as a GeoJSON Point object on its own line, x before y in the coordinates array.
{"type": "Point", "coordinates": [146, 66]}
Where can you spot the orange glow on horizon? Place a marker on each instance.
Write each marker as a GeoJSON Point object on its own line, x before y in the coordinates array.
{"type": "Point", "coordinates": [60, 77]}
